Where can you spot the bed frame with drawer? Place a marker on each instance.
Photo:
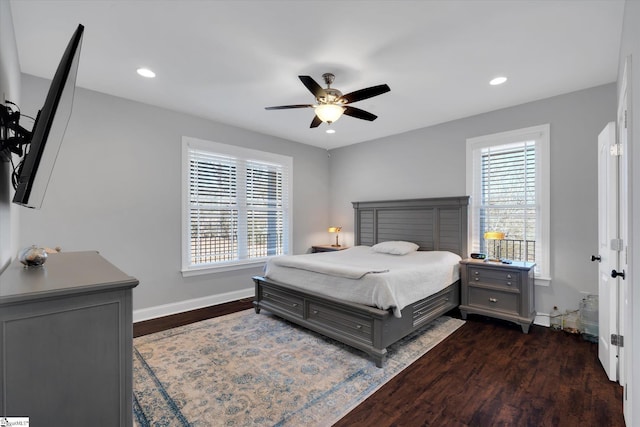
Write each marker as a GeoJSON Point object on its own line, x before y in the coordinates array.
{"type": "Point", "coordinates": [434, 224]}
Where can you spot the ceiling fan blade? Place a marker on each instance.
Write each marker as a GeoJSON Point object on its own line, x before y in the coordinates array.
{"type": "Point", "coordinates": [369, 92]}
{"type": "Point", "coordinates": [313, 86]}
{"type": "Point", "coordinates": [315, 122]}
{"type": "Point", "coordinates": [359, 114]}
{"type": "Point", "coordinates": [285, 107]}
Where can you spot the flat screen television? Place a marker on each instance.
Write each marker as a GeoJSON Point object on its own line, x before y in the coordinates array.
{"type": "Point", "coordinates": [48, 130]}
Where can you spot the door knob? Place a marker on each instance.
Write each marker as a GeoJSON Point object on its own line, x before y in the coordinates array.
{"type": "Point", "coordinates": [596, 258]}
{"type": "Point", "coordinates": [615, 274]}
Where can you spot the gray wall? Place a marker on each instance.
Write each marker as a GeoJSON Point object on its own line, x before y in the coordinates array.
{"type": "Point", "coordinates": [430, 162]}
{"type": "Point", "coordinates": [116, 188]}
{"type": "Point", "coordinates": [10, 90]}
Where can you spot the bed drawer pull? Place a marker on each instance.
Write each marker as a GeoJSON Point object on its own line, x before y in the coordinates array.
{"type": "Point", "coordinates": [493, 299]}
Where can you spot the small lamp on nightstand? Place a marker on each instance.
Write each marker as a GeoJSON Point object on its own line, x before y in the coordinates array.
{"type": "Point", "coordinates": [494, 235]}
{"type": "Point", "coordinates": [337, 231]}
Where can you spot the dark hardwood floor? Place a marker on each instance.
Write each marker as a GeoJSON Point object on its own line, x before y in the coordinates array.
{"type": "Point", "coordinates": [487, 373]}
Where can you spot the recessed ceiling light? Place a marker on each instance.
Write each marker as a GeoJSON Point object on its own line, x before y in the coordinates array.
{"type": "Point", "coordinates": [330, 131]}
{"type": "Point", "coordinates": [498, 81]}
{"type": "Point", "coordinates": [145, 72]}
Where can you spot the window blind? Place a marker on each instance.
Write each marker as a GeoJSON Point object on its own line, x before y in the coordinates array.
{"type": "Point", "coordinates": [238, 207]}
{"type": "Point", "coordinates": [508, 199]}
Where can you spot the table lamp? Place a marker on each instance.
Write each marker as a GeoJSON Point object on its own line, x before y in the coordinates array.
{"type": "Point", "coordinates": [337, 231]}
{"type": "Point", "coordinates": [494, 235]}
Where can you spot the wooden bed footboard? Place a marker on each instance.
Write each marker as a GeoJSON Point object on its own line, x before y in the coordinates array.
{"type": "Point", "coordinates": [366, 328]}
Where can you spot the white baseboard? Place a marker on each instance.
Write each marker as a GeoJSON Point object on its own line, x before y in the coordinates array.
{"type": "Point", "coordinates": [542, 319]}
{"type": "Point", "coordinates": [192, 304]}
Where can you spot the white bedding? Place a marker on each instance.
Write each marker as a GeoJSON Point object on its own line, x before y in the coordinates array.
{"type": "Point", "coordinates": [363, 276]}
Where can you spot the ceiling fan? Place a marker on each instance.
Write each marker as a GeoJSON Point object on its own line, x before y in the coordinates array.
{"type": "Point", "coordinates": [331, 103]}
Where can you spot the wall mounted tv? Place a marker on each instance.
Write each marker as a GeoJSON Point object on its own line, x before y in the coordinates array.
{"type": "Point", "coordinates": [48, 130]}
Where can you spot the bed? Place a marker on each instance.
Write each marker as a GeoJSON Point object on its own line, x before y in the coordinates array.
{"type": "Point", "coordinates": [436, 224]}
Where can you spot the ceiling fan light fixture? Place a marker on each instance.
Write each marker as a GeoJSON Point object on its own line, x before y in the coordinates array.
{"type": "Point", "coordinates": [329, 113]}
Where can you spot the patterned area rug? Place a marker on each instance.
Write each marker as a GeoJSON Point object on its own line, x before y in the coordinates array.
{"type": "Point", "coordinates": [256, 369]}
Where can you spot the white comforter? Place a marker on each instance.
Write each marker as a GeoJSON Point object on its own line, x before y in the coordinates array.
{"type": "Point", "coordinates": [363, 276]}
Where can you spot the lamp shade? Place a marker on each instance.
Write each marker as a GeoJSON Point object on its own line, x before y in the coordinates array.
{"type": "Point", "coordinates": [329, 113]}
{"type": "Point", "coordinates": [334, 229]}
{"type": "Point", "coordinates": [494, 235]}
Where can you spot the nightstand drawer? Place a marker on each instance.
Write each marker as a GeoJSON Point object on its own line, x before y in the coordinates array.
{"type": "Point", "coordinates": [494, 300]}
{"type": "Point", "coordinates": [508, 279]}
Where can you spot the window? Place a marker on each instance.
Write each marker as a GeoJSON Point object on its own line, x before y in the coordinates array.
{"type": "Point", "coordinates": [236, 206]}
{"type": "Point", "coordinates": [508, 180]}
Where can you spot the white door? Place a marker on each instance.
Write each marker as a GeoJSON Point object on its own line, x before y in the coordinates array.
{"type": "Point", "coordinates": [608, 256]}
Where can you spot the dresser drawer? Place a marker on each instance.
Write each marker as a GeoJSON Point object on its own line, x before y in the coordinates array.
{"type": "Point", "coordinates": [332, 318]}
{"type": "Point", "coordinates": [290, 303]}
{"type": "Point", "coordinates": [501, 278]}
{"type": "Point", "coordinates": [494, 300]}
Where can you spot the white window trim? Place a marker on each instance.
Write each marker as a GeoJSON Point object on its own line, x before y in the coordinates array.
{"type": "Point", "coordinates": [543, 193]}
{"type": "Point", "coordinates": [236, 151]}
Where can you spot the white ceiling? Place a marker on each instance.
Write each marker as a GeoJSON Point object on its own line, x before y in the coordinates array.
{"type": "Point", "coordinates": [227, 60]}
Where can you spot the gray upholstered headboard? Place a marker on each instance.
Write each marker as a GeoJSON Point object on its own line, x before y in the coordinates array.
{"type": "Point", "coordinates": [434, 224]}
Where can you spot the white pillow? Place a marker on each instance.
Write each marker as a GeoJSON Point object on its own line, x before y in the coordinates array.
{"type": "Point", "coordinates": [395, 247]}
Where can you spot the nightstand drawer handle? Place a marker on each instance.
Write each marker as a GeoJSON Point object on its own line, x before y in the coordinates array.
{"type": "Point", "coordinates": [358, 326]}
{"type": "Point", "coordinates": [476, 272]}
{"type": "Point", "coordinates": [476, 279]}
{"type": "Point", "coordinates": [508, 283]}
{"type": "Point", "coordinates": [315, 311]}
{"type": "Point", "coordinates": [294, 304]}
{"type": "Point", "coordinates": [493, 299]}
{"type": "Point", "coordinates": [508, 276]}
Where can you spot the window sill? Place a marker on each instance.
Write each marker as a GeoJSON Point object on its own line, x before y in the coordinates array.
{"type": "Point", "coordinates": [222, 267]}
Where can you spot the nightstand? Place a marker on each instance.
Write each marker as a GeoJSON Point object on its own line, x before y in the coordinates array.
{"type": "Point", "coordinates": [503, 291]}
{"type": "Point", "coordinates": [327, 248]}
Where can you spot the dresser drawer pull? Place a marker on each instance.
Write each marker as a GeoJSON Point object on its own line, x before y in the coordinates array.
{"type": "Point", "coordinates": [508, 283]}
{"type": "Point", "coordinates": [358, 326]}
{"type": "Point", "coordinates": [266, 294]}
{"type": "Point", "coordinates": [476, 279]}
{"type": "Point", "coordinates": [493, 299]}
{"type": "Point", "coordinates": [295, 304]}
{"type": "Point", "coordinates": [476, 272]}
{"type": "Point", "coordinates": [315, 311]}
{"type": "Point", "coordinates": [509, 276]}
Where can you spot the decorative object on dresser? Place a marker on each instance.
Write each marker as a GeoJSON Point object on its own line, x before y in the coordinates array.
{"type": "Point", "coordinates": [66, 342]}
{"type": "Point", "coordinates": [438, 224]}
{"type": "Point", "coordinates": [337, 231]}
{"type": "Point", "coordinates": [494, 289]}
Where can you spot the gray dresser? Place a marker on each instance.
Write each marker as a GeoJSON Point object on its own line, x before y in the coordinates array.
{"type": "Point", "coordinates": [504, 291]}
{"type": "Point", "coordinates": [66, 342]}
